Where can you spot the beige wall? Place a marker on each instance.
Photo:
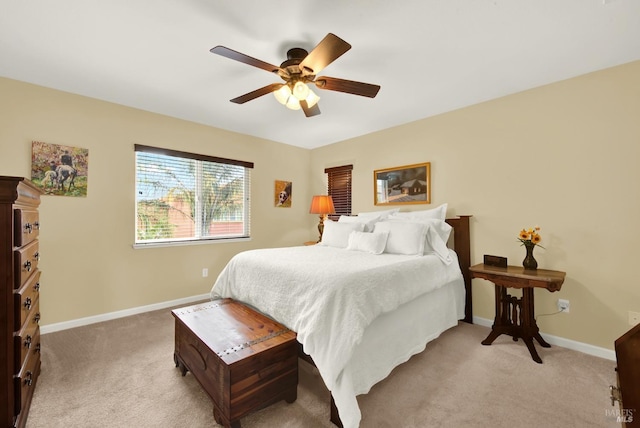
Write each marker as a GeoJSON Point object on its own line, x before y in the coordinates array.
{"type": "Point", "coordinates": [563, 156]}
{"type": "Point", "coordinates": [89, 266]}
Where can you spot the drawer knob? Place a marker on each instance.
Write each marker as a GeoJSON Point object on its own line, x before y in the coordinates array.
{"type": "Point", "coordinates": [27, 303]}
{"type": "Point", "coordinates": [27, 342]}
{"type": "Point", "coordinates": [36, 256]}
{"type": "Point", "coordinates": [28, 227]}
{"type": "Point", "coordinates": [28, 379]}
{"type": "Point", "coordinates": [37, 286]}
{"type": "Point", "coordinates": [36, 225]}
{"type": "Point", "coordinates": [27, 265]}
{"type": "Point", "coordinates": [36, 319]}
{"type": "Point", "coordinates": [38, 347]}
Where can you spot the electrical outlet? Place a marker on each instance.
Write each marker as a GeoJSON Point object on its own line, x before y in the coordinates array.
{"type": "Point", "coordinates": [634, 318]}
{"type": "Point", "coordinates": [563, 305]}
{"type": "Point", "coordinates": [205, 272]}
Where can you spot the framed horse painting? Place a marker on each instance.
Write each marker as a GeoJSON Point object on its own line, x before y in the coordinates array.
{"type": "Point", "coordinates": [60, 170]}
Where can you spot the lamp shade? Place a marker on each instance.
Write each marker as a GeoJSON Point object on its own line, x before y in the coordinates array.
{"type": "Point", "coordinates": [322, 204]}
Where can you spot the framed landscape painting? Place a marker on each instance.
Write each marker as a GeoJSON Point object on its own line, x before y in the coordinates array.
{"type": "Point", "coordinates": [402, 185]}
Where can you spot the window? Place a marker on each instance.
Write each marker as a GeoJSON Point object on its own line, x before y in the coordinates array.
{"type": "Point", "coordinates": [339, 188]}
{"type": "Point", "coordinates": [185, 197]}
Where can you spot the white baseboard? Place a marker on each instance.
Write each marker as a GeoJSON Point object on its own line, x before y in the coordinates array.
{"type": "Point", "coordinates": [565, 343]}
{"type": "Point", "coordinates": [50, 328]}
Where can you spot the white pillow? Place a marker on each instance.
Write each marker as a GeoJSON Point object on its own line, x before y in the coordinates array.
{"type": "Point", "coordinates": [368, 222]}
{"type": "Point", "coordinates": [436, 235]}
{"type": "Point", "coordinates": [439, 213]}
{"type": "Point", "coordinates": [337, 234]}
{"type": "Point", "coordinates": [435, 245]}
{"type": "Point", "coordinates": [441, 227]}
{"type": "Point", "coordinates": [382, 214]}
{"type": "Point", "coordinates": [368, 242]}
{"type": "Point", "coordinates": [404, 237]}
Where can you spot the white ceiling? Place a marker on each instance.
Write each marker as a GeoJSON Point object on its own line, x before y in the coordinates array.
{"type": "Point", "coordinates": [429, 56]}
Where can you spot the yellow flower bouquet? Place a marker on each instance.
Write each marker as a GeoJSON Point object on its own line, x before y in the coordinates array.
{"type": "Point", "coordinates": [530, 236]}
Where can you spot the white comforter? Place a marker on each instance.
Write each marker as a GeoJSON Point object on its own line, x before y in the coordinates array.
{"type": "Point", "coordinates": [329, 296]}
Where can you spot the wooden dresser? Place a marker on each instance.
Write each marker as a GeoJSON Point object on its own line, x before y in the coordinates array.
{"type": "Point", "coordinates": [627, 393]}
{"type": "Point", "coordinates": [19, 292]}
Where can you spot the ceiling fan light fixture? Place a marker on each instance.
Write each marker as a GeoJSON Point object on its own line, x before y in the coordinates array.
{"type": "Point", "coordinates": [312, 98]}
{"type": "Point", "coordinates": [300, 70]}
{"type": "Point", "coordinates": [283, 94]}
{"type": "Point", "coordinates": [285, 97]}
{"type": "Point", "coordinates": [301, 91]}
{"type": "Point", "coordinates": [293, 103]}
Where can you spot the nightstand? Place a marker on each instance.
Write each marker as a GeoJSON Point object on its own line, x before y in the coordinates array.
{"type": "Point", "coordinates": [516, 316]}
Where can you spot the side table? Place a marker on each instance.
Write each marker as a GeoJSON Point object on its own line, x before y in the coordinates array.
{"type": "Point", "coordinates": [516, 316]}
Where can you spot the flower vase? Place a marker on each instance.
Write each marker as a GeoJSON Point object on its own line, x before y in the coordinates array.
{"type": "Point", "coordinates": [529, 262]}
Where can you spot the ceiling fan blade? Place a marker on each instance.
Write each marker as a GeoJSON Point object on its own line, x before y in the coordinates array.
{"type": "Point", "coordinates": [348, 86]}
{"type": "Point", "coordinates": [327, 51]}
{"type": "Point", "coordinates": [231, 54]}
{"type": "Point", "coordinates": [257, 93]}
{"type": "Point", "coordinates": [309, 111]}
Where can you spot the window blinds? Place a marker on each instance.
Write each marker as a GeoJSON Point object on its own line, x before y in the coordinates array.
{"type": "Point", "coordinates": [339, 188]}
{"type": "Point", "coordinates": [186, 197]}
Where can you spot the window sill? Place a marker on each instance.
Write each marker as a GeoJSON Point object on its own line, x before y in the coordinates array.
{"type": "Point", "coordinates": [187, 243]}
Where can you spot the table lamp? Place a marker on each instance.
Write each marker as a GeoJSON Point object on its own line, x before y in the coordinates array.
{"type": "Point", "coordinates": [323, 205]}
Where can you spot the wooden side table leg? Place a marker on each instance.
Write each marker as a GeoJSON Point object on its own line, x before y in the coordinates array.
{"type": "Point", "coordinates": [492, 336]}
{"type": "Point", "coordinates": [532, 326]}
{"type": "Point", "coordinates": [541, 341]}
{"type": "Point", "coordinates": [501, 319]}
{"type": "Point", "coordinates": [529, 325]}
{"type": "Point", "coordinates": [502, 323]}
{"type": "Point", "coordinates": [502, 302]}
{"type": "Point", "coordinates": [532, 349]}
{"type": "Point", "coordinates": [516, 316]}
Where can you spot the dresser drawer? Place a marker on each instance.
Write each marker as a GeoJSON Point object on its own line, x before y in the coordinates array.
{"type": "Point", "coordinates": [25, 382]}
{"type": "Point", "coordinates": [27, 339]}
{"type": "Point", "coordinates": [20, 337]}
{"type": "Point", "coordinates": [26, 259]}
{"type": "Point", "coordinates": [25, 298]}
{"type": "Point", "coordinates": [27, 226]}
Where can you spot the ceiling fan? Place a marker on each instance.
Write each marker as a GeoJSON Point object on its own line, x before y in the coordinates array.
{"type": "Point", "coordinates": [299, 69]}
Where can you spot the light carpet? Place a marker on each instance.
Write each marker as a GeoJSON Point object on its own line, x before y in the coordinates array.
{"type": "Point", "coordinates": [121, 373]}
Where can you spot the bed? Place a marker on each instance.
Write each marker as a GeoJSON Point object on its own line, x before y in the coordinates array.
{"type": "Point", "coordinates": [359, 312]}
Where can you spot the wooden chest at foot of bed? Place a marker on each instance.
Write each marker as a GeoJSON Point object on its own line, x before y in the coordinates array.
{"type": "Point", "coordinates": [244, 360]}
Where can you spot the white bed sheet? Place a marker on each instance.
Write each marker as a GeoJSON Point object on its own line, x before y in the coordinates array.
{"type": "Point", "coordinates": [308, 288]}
{"type": "Point", "coordinates": [396, 336]}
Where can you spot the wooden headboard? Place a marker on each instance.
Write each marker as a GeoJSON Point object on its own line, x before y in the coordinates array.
{"type": "Point", "coordinates": [462, 247]}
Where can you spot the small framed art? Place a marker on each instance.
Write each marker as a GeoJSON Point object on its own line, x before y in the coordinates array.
{"type": "Point", "coordinates": [282, 194]}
